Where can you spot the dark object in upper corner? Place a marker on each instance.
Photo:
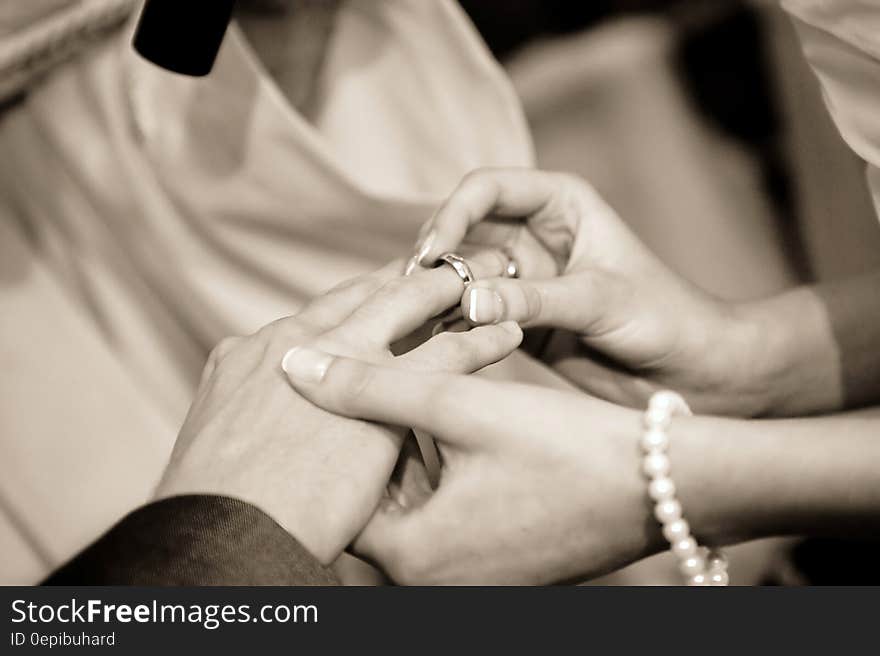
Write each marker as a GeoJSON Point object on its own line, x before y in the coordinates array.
{"type": "Point", "coordinates": [183, 36]}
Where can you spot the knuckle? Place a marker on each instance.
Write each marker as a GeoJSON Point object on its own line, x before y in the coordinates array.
{"type": "Point", "coordinates": [286, 331]}
{"type": "Point", "coordinates": [474, 177]}
{"type": "Point", "coordinates": [475, 183]}
{"type": "Point", "coordinates": [223, 348]}
{"type": "Point", "coordinates": [214, 366]}
{"type": "Point", "coordinates": [534, 300]}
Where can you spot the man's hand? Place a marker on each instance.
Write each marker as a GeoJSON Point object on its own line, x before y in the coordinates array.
{"type": "Point", "coordinates": [249, 435]}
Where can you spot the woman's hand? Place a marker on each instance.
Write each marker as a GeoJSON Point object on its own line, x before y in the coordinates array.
{"type": "Point", "coordinates": [538, 486]}
{"type": "Point", "coordinates": [651, 328]}
{"type": "Point", "coordinates": [542, 486]}
{"type": "Point", "coordinates": [248, 435]}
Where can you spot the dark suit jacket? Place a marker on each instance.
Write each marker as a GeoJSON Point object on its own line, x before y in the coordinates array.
{"type": "Point", "coordinates": [195, 540]}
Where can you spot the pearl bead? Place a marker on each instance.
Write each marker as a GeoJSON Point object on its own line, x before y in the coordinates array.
{"type": "Point", "coordinates": [670, 402]}
{"type": "Point", "coordinates": [657, 418]}
{"type": "Point", "coordinates": [677, 530]}
{"type": "Point", "coordinates": [667, 511]}
{"type": "Point", "coordinates": [665, 400]}
{"type": "Point", "coordinates": [716, 560]}
{"type": "Point", "coordinates": [685, 548]}
{"type": "Point", "coordinates": [692, 566]}
{"type": "Point", "coordinates": [661, 489]}
{"type": "Point", "coordinates": [656, 465]}
{"type": "Point", "coordinates": [719, 578]}
{"type": "Point", "coordinates": [655, 440]}
{"type": "Point", "coordinates": [698, 580]}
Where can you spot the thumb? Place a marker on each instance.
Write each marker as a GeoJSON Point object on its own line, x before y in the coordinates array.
{"type": "Point", "coordinates": [573, 302]}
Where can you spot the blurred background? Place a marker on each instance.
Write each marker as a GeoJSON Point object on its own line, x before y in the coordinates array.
{"type": "Point", "coordinates": [696, 113]}
{"type": "Point", "coordinates": [699, 121]}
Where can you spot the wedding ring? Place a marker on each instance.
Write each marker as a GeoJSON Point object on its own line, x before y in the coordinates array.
{"type": "Point", "coordinates": [459, 266]}
{"type": "Point", "coordinates": [511, 269]}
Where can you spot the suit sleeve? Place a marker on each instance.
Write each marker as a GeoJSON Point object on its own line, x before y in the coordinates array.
{"type": "Point", "coordinates": [195, 540]}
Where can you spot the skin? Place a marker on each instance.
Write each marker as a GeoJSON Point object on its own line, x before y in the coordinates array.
{"type": "Point", "coordinates": [542, 486]}
{"type": "Point", "coordinates": [291, 38]}
{"type": "Point", "coordinates": [632, 326]}
{"type": "Point", "coordinates": [249, 435]}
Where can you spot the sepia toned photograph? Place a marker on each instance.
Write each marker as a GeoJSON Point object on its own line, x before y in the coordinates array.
{"type": "Point", "coordinates": [435, 293]}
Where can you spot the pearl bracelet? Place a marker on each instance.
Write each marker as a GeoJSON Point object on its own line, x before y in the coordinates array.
{"type": "Point", "coordinates": [699, 565]}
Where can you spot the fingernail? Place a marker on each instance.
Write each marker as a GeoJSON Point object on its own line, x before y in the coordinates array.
{"type": "Point", "coordinates": [411, 265]}
{"type": "Point", "coordinates": [425, 247]}
{"type": "Point", "coordinates": [427, 226]}
{"type": "Point", "coordinates": [305, 365]}
{"type": "Point", "coordinates": [484, 306]}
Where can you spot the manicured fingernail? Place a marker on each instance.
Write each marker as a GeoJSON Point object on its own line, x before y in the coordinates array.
{"type": "Point", "coordinates": [425, 247]}
{"type": "Point", "coordinates": [411, 265]}
{"type": "Point", "coordinates": [427, 226]}
{"type": "Point", "coordinates": [305, 365]}
{"type": "Point", "coordinates": [484, 306]}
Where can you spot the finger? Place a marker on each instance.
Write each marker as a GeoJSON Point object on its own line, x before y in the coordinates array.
{"type": "Point", "coordinates": [220, 351]}
{"type": "Point", "coordinates": [484, 192]}
{"type": "Point", "coordinates": [446, 405]}
{"type": "Point", "coordinates": [464, 353]}
{"type": "Point", "coordinates": [532, 258]}
{"type": "Point", "coordinates": [411, 543]}
{"type": "Point", "coordinates": [572, 302]}
{"type": "Point", "coordinates": [410, 485]}
{"type": "Point", "coordinates": [332, 307]}
{"type": "Point", "coordinates": [403, 304]}
{"type": "Point", "coordinates": [385, 539]}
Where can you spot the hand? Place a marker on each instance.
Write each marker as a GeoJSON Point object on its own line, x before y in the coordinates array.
{"type": "Point", "coordinates": [538, 486]}
{"type": "Point", "coordinates": [248, 435]}
{"type": "Point", "coordinates": [650, 327]}
{"type": "Point", "coordinates": [543, 486]}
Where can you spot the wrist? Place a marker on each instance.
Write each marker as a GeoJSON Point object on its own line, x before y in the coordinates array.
{"type": "Point", "coordinates": [702, 459]}
{"type": "Point", "coordinates": [727, 359]}
{"type": "Point", "coordinates": [711, 463]}
{"type": "Point", "coordinates": [635, 509]}
{"type": "Point", "coordinates": [316, 534]}
{"type": "Point", "coordinates": [697, 468]}
{"type": "Point", "coordinates": [787, 362]}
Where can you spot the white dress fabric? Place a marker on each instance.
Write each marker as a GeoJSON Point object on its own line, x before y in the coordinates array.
{"type": "Point", "coordinates": [144, 216]}
{"type": "Point", "coordinates": [841, 41]}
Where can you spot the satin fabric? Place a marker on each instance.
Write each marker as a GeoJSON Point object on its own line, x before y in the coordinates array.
{"type": "Point", "coordinates": [144, 216]}
{"type": "Point", "coordinates": [841, 41]}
